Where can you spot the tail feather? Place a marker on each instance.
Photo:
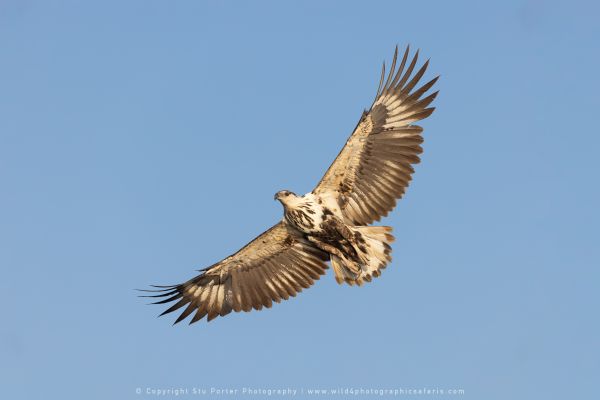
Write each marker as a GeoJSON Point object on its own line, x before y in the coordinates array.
{"type": "Point", "coordinates": [372, 243]}
{"type": "Point", "coordinates": [344, 269]}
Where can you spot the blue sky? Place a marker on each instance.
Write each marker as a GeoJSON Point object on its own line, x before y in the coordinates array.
{"type": "Point", "coordinates": [142, 140]}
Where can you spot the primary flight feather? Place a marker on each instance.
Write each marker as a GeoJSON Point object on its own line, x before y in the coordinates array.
{"type": "Point", "coordinates": [328, 224]}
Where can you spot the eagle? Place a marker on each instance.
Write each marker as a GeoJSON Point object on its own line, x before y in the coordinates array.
{"type": "Point", "coordinates": [331, 223]}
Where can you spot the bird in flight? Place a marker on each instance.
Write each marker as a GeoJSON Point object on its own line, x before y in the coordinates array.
{"type": "Point", "coordinates": [331, 223]}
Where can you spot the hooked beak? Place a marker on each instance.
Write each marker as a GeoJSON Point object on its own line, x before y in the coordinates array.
{"type": "Point", "coordinates": [275, 197]}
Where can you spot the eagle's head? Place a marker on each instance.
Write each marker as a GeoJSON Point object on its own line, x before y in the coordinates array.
{"type": "Point", "coordinates": [284, 196]}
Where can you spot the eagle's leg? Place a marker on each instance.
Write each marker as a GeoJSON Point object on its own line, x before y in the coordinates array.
{"type": "Point", "coordinates": [326, 247]}
{"type": "Point", "coordinates": [357, 252]}
{"type": "Point", "coordinates": [345, 269]}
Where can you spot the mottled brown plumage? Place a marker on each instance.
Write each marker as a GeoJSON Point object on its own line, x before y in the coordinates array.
{"type": "Point", "coordinates": [370, 173]}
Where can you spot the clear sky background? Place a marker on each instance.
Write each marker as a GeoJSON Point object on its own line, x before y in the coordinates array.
{"type": "Point", "coordinates": [142, 140]}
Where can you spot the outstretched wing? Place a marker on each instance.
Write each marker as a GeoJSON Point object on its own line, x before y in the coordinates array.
{"type": "Point", "coordinates": [374, 168]}
{"type": "Point", "coordinates": [276, 265]}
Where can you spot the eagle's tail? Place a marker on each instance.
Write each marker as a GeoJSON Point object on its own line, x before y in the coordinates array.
{"type": "Point", "coordinates": [372, 243]}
